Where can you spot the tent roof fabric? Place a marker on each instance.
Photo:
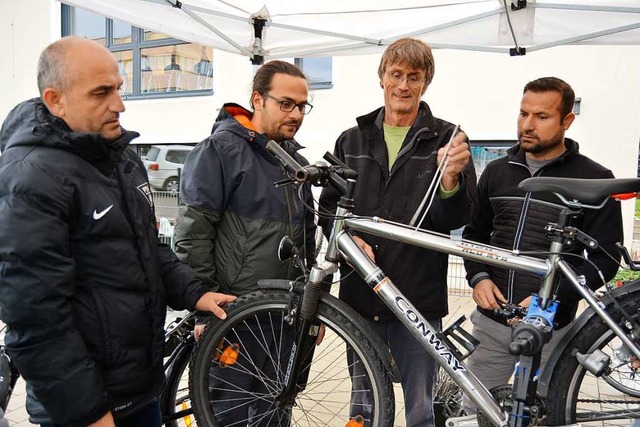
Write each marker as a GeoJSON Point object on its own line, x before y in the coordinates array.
{"type": "Point", "coordinates": [294, 28]}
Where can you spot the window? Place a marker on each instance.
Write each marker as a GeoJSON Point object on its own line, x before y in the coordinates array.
{"type": "Point", "coordinates": [484, 151]}
{"type": "Point", "coordinates": [318, 71]}
{"type": "Point", "coordinates": [152, 153]}
{"type": "Point", "coordinates": [151, 64]}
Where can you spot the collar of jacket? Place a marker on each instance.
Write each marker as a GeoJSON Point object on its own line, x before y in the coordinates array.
{"type": "Point", "coordinates": [424, 121]}
{"type": "Point", "coordinates": [234, 118]}
{"type": "Point", "coordinates": [516, 155]}
{"type": "Point", "coordinates": [37, 126]}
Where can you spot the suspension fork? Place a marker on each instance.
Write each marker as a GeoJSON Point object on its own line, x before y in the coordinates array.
{"type": "Point", "coordinates": [306, 333]}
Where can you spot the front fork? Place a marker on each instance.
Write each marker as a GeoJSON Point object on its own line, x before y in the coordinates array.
{"type": "Point", "coordinates": [303, 318]}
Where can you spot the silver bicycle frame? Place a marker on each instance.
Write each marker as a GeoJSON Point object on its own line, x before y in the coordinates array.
{"type": "Point", "coordinates": [340, 240]}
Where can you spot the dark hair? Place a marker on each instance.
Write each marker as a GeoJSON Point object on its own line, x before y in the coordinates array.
{"type": "Point", "coordinates": [413, 53]}
{"type": "Point", "coordinates": [554, 84]}
{"type": "Point", "coordinates": [264, 76]}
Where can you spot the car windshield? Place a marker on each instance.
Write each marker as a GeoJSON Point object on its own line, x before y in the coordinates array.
{"type": "Point", "coordinates": [152, 155]}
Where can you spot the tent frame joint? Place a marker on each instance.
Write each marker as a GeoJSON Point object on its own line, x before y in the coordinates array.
{"type": "Point", "coordinates": [518, 51]}
{"type": "Point", "coordinates": [177, 4]}
{"type": "Point", "coordinates": [518, 4]}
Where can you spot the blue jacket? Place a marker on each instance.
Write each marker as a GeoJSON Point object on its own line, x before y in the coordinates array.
{"type": "Point", "coordinates": [232, 218]}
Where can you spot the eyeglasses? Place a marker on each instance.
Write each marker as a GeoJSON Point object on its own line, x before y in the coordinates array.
{"type": "Point", "coordinates": [413, 80]}
{"type": "Point", "coordinates": [288, 106]}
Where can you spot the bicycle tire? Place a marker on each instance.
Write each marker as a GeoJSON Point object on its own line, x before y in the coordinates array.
{"type": "Point", "coordinates": [577, 396]}
{"type": "Point", "coordinates": [324, 401]}
{"type": "Point", "coordinates": [6, 374]}
{"type": "Point", "coordinates": [176, 396]}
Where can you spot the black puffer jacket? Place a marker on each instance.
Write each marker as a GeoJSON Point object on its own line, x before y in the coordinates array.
{"type": "Point", "coordinates": [420, 274]}
{"type": "Point", "coordinates": [84, 281]}
{"type": "Point", "coordinates": [509, 218]}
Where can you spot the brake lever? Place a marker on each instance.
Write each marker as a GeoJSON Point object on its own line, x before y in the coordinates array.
{"type": "Point", "coordinates": [284, 182]}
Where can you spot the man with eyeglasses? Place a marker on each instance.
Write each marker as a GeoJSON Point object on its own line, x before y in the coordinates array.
{"type": "Point", "coordinates": [396, 151]}
{"type": "Point", "coordinates": [232, 218]}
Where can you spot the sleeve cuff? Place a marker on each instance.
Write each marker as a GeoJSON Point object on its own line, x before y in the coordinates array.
{"type": "Point", "coordinates": [478, 277]}
{"type": "Point", "coordinates": [445, 194]}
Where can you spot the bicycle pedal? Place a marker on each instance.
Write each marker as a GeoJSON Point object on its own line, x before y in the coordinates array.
{"type": "Point", "coordinates": [357, 421]}
{"type": "Point", "coordinates": [228, 356]}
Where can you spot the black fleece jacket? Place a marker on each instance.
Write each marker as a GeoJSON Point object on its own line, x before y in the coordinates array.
{"type": "Point", "coordinates": [420, 274]}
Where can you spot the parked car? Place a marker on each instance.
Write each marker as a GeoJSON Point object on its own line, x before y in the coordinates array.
{"type": "Point", "coordinates": [162, 163]}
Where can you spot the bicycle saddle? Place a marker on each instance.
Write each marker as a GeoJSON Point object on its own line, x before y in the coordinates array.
{"type": "Point", "coordinates": [588, 191]}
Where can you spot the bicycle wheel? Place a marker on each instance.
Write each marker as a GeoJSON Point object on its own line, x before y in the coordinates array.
{"type": "Point", "coordinates": [176, 400]}
{"type": "Point", "coordinates": [577, 396]}
{"type": "Point", "coordinates": [240, 364]}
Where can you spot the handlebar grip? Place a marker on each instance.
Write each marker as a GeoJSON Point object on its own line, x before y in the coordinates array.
{"type": "Point", "coordinates": [283, 157]}
{"type": "Point", "coordinates": [347, 172]}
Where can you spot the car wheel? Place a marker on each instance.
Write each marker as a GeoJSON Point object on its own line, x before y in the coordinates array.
{"type": "Point", "coordinates": [172, 185]}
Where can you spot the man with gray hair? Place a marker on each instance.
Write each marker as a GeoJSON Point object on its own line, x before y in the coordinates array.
{"type": "Point", "coordinates": [85, 282]}
{"type": "Point", "coordinates": [396, 151]}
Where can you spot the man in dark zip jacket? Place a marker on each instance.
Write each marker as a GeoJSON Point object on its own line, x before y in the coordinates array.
{"type": "Point", "coordinates": [509, 218]}
{"type": "Point", "coordinates": [396, 151]}
{"type": "Point", "coordinates": [84, 282]}
{"type": "Point", "coordinates": [232, 218]}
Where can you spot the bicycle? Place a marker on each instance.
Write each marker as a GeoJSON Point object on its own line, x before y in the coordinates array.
{"type": "Point", "coordinates": [271, 336]}
{"type": "Point", "coordinates": [175, 400]}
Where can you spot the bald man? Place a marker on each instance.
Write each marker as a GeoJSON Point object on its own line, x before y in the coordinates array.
{"type": "Point", "coordinates": [84, 282]}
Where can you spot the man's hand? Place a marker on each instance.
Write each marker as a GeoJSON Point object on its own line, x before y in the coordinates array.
{"type": "Point", "coordinates": [105, 421]}
{"type": "Point", "coordinates": [459, 156]}
{"type": "Point", "coordinates": [198, 330]}
{"type": "Point", "coordinates": [486, 294]}
{"type": "Point", "coordinates": [366, 247]}
{"type": "Point", "coordinates": [212, 301]}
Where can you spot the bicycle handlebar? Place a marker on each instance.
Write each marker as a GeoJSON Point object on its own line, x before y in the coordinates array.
{"type": "Point", "coordinates": [336, 174]}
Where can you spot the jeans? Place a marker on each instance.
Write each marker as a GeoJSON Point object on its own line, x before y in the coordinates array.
{"type": "Point", "coordinates": [149, 416]}
{"type": "Point", "coordinates": [418, 372]}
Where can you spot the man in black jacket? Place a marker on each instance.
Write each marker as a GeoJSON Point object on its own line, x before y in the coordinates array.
{"type": "Point", "coordinates": [507, 217]}
{"type": "Point", "coordinates": [84, 282]}
{"type": "Point", "coordinates": [396, 151]}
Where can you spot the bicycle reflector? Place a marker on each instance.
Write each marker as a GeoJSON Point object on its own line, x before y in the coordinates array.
{"type": "Point", "coordinates": [624, 196]}
{"type": "Point", "coordinates": [228, 356]}
{"type": "Point", "coordinates": [357, 421]}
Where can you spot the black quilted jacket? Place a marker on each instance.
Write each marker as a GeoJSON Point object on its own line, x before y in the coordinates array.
{"type": "Point", "coordinates": [509, 218]}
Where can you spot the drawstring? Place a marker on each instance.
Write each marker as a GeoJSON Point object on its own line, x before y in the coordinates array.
{"type": "Point", "coordinates": [435, 183]}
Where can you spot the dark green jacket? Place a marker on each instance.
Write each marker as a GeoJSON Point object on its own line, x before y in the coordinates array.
{"type": "Point", "coordinates": [232, 218]}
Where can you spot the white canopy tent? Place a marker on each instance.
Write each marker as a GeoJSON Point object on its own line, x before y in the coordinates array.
{"type": "Point", "coordinates": [269, 29]}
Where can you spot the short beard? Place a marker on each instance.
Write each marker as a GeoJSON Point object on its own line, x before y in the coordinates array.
{"type": "Point", "coordinates": [538, 148]}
